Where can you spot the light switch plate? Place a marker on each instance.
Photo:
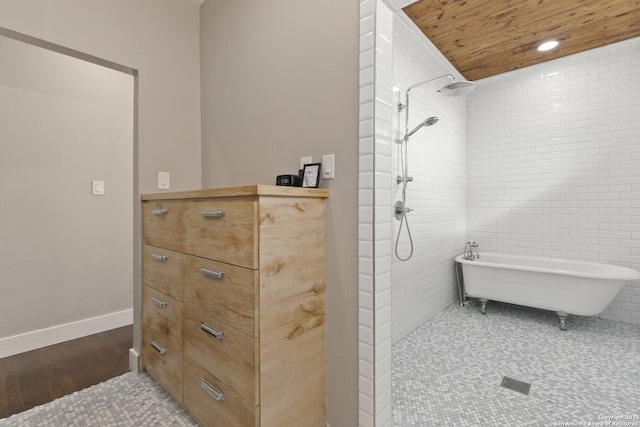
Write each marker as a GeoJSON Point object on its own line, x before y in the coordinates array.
{"type": "Point", "coordinates": [164, 181]}
{"type": "Point", "coordinates": [97, 188]}
{"type": "Point", "coordinates": [328, 166]}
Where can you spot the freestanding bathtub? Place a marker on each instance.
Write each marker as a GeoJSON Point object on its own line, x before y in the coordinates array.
{"type": "Point", "coordinates": [566, 287]}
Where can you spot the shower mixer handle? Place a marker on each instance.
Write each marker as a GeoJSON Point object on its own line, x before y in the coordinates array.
{"type": "Point", "coordinates": [402, 179]}
{"type": "Point", "coordinates": [400, 210]}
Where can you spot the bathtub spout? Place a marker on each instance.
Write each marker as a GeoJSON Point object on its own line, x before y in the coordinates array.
{"type": "Point", "coordinates": [563, 320]}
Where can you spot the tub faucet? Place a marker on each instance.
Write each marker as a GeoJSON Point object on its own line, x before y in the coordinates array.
{"type": "Point", "coordinates": [470, 255]}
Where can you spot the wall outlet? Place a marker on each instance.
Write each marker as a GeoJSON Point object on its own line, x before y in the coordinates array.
{"type": "Point", "coordinates": [305, 161]}
{"type": "Point", "coordinates": [164, 181]}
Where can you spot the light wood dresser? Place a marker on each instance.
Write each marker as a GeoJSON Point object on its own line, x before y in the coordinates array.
{"type": "Point", "coordinates": [234, 303]}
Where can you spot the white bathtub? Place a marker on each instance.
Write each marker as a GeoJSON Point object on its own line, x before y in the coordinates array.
{"type": "Point", "coordinates": [566, 287]}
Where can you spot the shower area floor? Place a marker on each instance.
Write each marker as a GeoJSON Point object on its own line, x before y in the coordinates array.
{"type": "Point", "coordinates": [449, 371]}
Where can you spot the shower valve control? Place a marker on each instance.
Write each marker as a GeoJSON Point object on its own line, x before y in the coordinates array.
{"type": "Point", "coordinates": [400, 179]}
{"type": "Point", "coordinates": [400, 210]}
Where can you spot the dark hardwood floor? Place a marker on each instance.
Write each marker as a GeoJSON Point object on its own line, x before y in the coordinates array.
{"type": "Point", "coordinates": [40, 376]}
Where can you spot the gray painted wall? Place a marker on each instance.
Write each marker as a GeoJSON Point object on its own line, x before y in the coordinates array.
{"type": "Point", "coordinates": [160, 39]}
{"type": "Point", "coordinates": [65, 254]}
{"type": "Point", "coordinates": [280, 81]}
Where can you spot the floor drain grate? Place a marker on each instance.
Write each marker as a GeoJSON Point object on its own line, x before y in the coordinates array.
{"type": "Point", "coordinates": [515, 385]}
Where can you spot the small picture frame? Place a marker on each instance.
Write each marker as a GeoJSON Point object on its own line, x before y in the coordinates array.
{"type": "Point", "coordinates": [311, 175]}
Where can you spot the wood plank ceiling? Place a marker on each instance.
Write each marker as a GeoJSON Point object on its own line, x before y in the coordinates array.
{"type": "Point", "coordinates": [482, 38]}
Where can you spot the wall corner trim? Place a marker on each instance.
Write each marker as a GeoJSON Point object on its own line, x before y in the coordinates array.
{"type": "Point", "coordinates": [134, 361]}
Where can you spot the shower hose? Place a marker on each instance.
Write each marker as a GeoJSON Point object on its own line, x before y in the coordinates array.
{"type": "Point", "coordinates": [404, 165]}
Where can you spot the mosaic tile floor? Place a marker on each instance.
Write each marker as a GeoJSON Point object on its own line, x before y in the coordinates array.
{"type": "Point", "coordinates": [128, 400]}
{"type": "Point", "coordinates": [446, 373]}
{"type": "Point", "coordinates": [449, 371]}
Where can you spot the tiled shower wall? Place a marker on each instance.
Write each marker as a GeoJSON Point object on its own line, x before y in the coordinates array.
{"type": "Point", "coordinates": [434, 203]}
{"type": "Point", "coordinates": [425, 284]}
{"type": "Point", "coordinates": [374, 198]}
{"type": "Point", "coordinates": [553, 163]}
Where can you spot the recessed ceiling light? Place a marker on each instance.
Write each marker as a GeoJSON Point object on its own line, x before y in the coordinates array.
{"type": "Point", "coordinates": [548, 45]}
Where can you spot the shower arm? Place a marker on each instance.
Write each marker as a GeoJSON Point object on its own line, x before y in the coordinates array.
{"type": "Point", "coordinates": [405, 106]}
{"type": "Point", "coordinates": [451, 76]}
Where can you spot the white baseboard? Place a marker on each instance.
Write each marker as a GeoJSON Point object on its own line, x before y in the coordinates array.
{"type": "Point", "coordinates": [56, 334]}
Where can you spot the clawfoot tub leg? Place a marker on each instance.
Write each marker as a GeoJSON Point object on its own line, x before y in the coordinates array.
{"type": "Point", "coordinates": [483, 308]}
{"type": "Point", "coordinates": [563, 318]}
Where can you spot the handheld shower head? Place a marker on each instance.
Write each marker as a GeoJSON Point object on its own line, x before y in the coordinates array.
{"type": "Point", "coordinates": [428, 122]}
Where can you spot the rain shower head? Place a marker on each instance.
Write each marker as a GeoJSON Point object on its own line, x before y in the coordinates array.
{"type": "Point", "coordinates": [454, 89]}
{"type": "Point", "coordinates": [429, 122]}
{"type": "Point", "coordinates": [457, 88]}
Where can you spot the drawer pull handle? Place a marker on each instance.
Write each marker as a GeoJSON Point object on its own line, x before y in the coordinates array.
{"type": "Point", "coordinates": [160, 211]}
{"type": "Point", "coordinates": [216, 333]}
{"type": "Point", "coordinates": [211, 390]}
{"type": "Point", "coordinates": [160, 303]}
{"type": "Point", "coordinates": [212, 214]}
{"type": "Point", "coordinates": [159, 257]}
{"type": "Point", "coordinates": [158, 347]}
{"type": "Point", "coordinates": [212, 273]}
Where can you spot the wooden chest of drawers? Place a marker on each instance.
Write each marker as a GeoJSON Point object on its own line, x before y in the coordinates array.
{"type": "Point", "coordinates": [233, 303]}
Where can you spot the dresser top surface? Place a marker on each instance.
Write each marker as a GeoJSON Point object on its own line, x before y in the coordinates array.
{"type": "Point", "coordinates": [247, 190]}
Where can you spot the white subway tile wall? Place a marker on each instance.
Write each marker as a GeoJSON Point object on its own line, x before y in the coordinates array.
{"type": "Point", "coordinates": [553, 163]}
{"type": "Point", "coordinates": [365, 213]}
{"type": "Point", "coordinates": [377, 193]}
{"type": "Point", "coordinates": [425, 285]}
{"type": "Point", "coordinates": [374, 198]}
{"type": "Point", "coordinates": [549, 168]}
{"type": "Point", "coordinates": [382, 219]}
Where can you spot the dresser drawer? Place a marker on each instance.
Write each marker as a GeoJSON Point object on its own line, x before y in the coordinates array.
{"type": "Point", "coordinates": [224, 351]}
{"type": "Point", "coordinates": [162, 224]}
{"type": "Point", "coordinates": [222, 229]}
{"type": "Point", "coordinates": [162, 316]}
{"type": "Point", "coordinates": [212, 403]}
{"type": "Point", "coordinates": [162, 270]}
{"type": "Point", "coordinates": [164, 363]}
{"type": "Point", "coordinates": [223, 291]}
